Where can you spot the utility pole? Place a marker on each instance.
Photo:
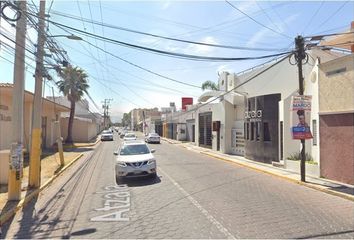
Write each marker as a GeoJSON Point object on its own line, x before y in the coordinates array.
{"type": "Point", "coordinates": [16, 156]}
{"type": "Point", "coordinates": [105, 110]}
{"type": "Point", "coordinates": [36, 136]}
{"type": "Point", "coordinates": [299, 56]}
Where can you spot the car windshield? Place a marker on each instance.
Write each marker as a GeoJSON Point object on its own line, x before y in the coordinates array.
{"type": "Point", "coordinates": [154, 135]}
{"type": "Point", "coordinates": [106, 132]}
{"type": "Point", "coordinates": [134, 149]}
{"type": "Point", "coordinates": [130, 135]}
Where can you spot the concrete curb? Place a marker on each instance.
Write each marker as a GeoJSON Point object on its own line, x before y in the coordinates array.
{"type": "Point", "coordinates": [84, 145]}
{"type": "Point", "coordinates": [306, 184]}
{"type": "Point", "coordinates": [23, 202]}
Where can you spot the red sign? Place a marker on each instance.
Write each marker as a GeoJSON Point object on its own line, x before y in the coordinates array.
{"type": "Point", "coordinates": [186, 101]}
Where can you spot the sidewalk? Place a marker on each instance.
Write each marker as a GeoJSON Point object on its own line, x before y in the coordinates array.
{"type": "Point", "coordinates": [50, 170]}
{"type": "Point", "coordinates": [332, 187]}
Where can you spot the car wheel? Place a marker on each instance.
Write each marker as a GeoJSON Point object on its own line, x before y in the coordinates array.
{"type": "Point", "coordinates": [119, 180]}
{"type": "Point", "coordinates": [153, 175]}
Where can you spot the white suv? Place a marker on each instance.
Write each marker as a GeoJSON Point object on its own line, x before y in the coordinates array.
{"type": "Point", "coordinates": [135, 159]}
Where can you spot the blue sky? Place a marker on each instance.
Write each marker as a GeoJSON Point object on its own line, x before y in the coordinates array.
{"type": "Point", "coordinates": [213, 22]}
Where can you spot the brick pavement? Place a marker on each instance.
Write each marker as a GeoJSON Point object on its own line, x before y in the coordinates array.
{"type": "Point", "coordinates": [195, 197]}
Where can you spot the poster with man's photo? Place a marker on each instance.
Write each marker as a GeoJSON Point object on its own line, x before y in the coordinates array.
{"type": "Point", "coordinates": [301, 117]}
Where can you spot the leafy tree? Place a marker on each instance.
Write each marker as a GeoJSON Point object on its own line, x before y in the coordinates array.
{"type": "Point", "coordinates": [126, 120]}
{"type": "Point", "coordinates": [209, 85]}
{"type": "Point", "coordinates": [73, 85]}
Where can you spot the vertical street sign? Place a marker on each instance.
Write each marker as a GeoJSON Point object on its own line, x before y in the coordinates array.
{"type": "Point", "coordinates": [300, 117]}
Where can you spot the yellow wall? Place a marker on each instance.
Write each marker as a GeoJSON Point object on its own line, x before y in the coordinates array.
{"type": "Point", "coordinates": [336, 90]}
{"type": "Point", "coordinates": [6, 126]}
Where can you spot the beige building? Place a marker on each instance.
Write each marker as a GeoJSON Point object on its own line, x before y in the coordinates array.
{"type": "Point", "coordinates": [336, 121]}
{"type": "Point", "coordinates": [50, 111]}
{"type": "Point", "coordinates": [86, 124]}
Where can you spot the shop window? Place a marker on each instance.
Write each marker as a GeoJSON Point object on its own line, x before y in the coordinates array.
{"type": "Point", "coordinates": [266, 132]}
{"type": "Point", "coordinates": [258, 131]}
{"type": "Point", "coordinates": [314, 132]}
{"type": "Point", "coordinates": [252, 131]}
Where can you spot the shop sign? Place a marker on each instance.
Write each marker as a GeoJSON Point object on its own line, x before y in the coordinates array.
{"type": "Point", "coordinates": [254, 116]}
{"type": "Point", "coordinates": [300, 116]}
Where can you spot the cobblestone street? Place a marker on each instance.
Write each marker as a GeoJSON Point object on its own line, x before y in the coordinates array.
{"type": "Point", "coordinates": [195, 196]}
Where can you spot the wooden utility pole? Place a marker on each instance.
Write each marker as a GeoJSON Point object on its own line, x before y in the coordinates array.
{"type": "Point", "coordinates": [299, 56]}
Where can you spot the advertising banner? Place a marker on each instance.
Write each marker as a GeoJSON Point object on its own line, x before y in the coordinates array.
{"type": "Point", "coordinates": [300, 117]}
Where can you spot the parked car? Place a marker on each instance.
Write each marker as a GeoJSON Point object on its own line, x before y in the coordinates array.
{"type": "Point", "coordinates": [122, 133]}
{"type": "Point", "coordinates": [135, 159]}
{"type": "Point", "coordinates": [107, 135]}
{"type": "Point", "coordinates": [129, 137]}
{"type": "Point", "coordinates": [152, 138]}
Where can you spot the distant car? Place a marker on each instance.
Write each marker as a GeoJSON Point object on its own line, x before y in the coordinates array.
{"type": "Point", "coordinates": [122, 133]}
{"type": "Point", "coordinates": [152, 138]}
{"type": "Point", "coordinates": [135, 159]}
{"type": "Point", "coordinates": [129, 137]}
{"type": "Point", "coordinates": [107, 135]}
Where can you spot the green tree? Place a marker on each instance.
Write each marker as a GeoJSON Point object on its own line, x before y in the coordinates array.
{"type": "Point", "coordinates": [73, 85]}
{"type": "Point", "coordinates": [126, 120]}
{"type": "Point", "coordinates": [209, 85]}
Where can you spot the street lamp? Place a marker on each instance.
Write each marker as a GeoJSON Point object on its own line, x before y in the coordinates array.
{"type": "Point", "coordinates": [72, 37]}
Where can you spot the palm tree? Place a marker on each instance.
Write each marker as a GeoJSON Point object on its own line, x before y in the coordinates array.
{"type": "Point", "coordinates": [73, 85]}
{"type": "Point", "coordinates": [209, 85]}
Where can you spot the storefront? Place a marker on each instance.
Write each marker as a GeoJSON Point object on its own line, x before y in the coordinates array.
{"type": "Point", "coordinates": [261, 128]}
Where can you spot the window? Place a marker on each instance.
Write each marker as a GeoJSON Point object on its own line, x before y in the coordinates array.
{"type": "Point", "coordinates": [246, 131]}
{"type": "Point", "coordinates": [314, 132]}
{"type": "Point", "coordinates": [252, 131]}
{"type": "Point", "coordinates": [266, 132]}
{"type": "Point", "coordinates": [258, 131]}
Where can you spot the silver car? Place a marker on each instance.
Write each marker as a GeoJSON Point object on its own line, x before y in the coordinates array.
{"type": "Point", "coordinates": [135, 159]}
{"type": "Point", "coordinates": [152, 138]}
{"type": "Point", "coordinates": [129, 136]}
{"type": "Point", "coordinates": [107, 135]}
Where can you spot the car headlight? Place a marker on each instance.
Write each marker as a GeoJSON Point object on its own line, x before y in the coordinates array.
{"type": "Point", "coordinates": [151, 161]}
{"type": "Point", "coordinates": [122, 164]}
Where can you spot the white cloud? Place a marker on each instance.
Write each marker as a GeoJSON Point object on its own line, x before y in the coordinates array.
{"type": "Point", "coordinates": [166, 4]}
{"type": "Point", "coordinates": [224, 68]}
{"type": "Point", "coordinates": [246, 6]}
{"type": "Point", "coordinates": [202, 49]}
{"type": "Point", "coordinates": [262, 33]}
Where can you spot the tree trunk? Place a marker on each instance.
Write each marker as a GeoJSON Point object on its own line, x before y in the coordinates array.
{"type": "Point", "coordinates": [69, 138]}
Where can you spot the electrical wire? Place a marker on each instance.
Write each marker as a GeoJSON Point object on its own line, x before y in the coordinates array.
{"type": "Point", "coordinates": [259, 23]}
{"type": "Point", "coordinates": [162, 37]}
{"type": "Point", "coordinates": [332, 15]}
{"type": "Point", "coordinates": [184, 56]}
{"type": "Point", "coordinates": [239, 85]}
{"type": "Point", "coordinates": [313, 16]}
{"type": "Point", "coordinates": [167, 53]}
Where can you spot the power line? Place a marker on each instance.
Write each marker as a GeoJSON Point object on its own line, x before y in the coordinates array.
{"type": "Point", "coordinates": [334, 13]}
{"type": "Point", "coordinates": [241, 84]}
{"type": "Point", "coordinates": [171, 54]}
{"type": "Point", "coordinates": [130, 74]}
{"type": "Point", "coordinates": [266, 14]}
{"type": "Point", "coordinates": [233, 6]}
{"type": "Point", "coordinates": [313, 16]}
{"type": "Point", "coordinates": [162, 37]}
{"type": "Point", "coordinates": [162, 52]}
